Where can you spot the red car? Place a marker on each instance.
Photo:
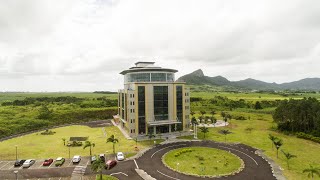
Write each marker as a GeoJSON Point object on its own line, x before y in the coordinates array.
{"type": "Point", "coordinates": [47, 162]}
{"type": "Point", "coordinates": [110, 164]}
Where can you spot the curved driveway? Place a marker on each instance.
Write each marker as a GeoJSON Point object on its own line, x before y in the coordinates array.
{"type": "Point", "coordinates": [255, 167]}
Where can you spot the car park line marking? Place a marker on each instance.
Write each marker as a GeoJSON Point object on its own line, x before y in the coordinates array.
{"type": "Point", "coordinates": [5, 165]}
{"type": "Point", "coordinates": [136, 163]}
{"type": "Point", "coordinates": [11, 167]}
{"type": "Point", "coordinates": [20, 167]}
{"type": "Point", "coordinates": [119, 173]}
{"type": "Point", "coordinates": [167, 175]}
{"type": "Point", "coordinates": [59, 178]}
{"type": "Point", "coordinates": [51, 164]}
{"type": "Point", "coordinates": [70, 163]}
{"type": "Point", "coordinates": [87, 162]}
{"type": "Point", "coordinates": [166, 148]}
{"type": "Point", "coordinates": [241, 152]}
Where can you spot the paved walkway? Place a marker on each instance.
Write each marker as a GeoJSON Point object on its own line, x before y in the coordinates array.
{"type": "Point", "coordinates": [219, 123]}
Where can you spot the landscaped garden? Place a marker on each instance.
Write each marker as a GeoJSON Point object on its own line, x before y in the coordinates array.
{"type": "Point", "coordinates": [202, 161]}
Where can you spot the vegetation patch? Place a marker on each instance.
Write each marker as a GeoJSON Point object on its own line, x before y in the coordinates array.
{"type": "Point", "coordinates": [203, 162]}
{"type": "Point", "coordinates": [106, 177]}
{"type": "Point", "coordinates": [47, 132]}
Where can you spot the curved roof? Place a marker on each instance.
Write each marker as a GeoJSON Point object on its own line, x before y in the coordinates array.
{"type": "Point", "coordinates": [147, 68]}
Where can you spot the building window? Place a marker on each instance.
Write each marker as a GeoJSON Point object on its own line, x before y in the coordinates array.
{"type": "Point", "coordinates": [160, 103]}
{"type": "Point", "coordinates": [170, 77]}
{"type": "Point", "coordinates": [156, 77]}
{"type": "Point", "coordinates": [141, 110]}
{"type": "Point", "coordinates": [179, 107]}
{"type": "Point", "coordinates": [138, 77]}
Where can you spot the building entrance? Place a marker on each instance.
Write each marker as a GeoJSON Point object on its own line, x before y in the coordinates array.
{"type": "Point", "coordinates": [162, 129]}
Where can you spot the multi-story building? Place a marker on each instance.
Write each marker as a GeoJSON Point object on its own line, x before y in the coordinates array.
{"type": "Point", "coordinates": [152, 102]}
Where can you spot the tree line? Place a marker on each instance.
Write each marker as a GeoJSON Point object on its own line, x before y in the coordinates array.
{"type": "Point", "coordinates": [299, 116]}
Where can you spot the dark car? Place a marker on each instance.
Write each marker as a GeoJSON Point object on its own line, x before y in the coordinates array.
{"type": "Point", "coordinates": [19, 162]}
{"type": "Point", "coordinates": [110, 164]}
{"type": "Point", "coordinates": [102, 157]}
{"type": "Point", "coordinates": [47, 162]}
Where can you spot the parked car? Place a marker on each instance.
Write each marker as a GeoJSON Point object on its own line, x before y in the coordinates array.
{"type": "Point", "coordinates": [120, 156]}
{"type": "Point", "coordinates": [19, 162]}
{"type": "Point", "coordinates": [102, 157]}
{"type": "Point", "coordinates": [93, 159]}
{"type": "Point", "coordinates": [47, 162]}
{"type": "Point", "coordinates": [59, 161]}
{"type": "Point", "coordinates": [110, 164]}
{"type": "Point", "coordinates": [76, 159]}
{"type": "Point", "coordinates": [28, 163]}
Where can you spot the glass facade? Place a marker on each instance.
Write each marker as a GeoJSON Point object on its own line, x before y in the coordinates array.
{"type": "Point", "coordinates": [160, 102]}
{"type": "Point", "coordinates": [179, 108]}
{"type": "Point", "coordinates": [141, 110]}
{"type": "Point", "coordinates": [149, 77]}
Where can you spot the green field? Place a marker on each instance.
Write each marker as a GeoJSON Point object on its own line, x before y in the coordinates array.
{"type": "Point", "coordinates": [202, 161]}
{"type": "Point", "coordinates": [51, 146]}
{"type": "Point", "coordinates": [20, 96]}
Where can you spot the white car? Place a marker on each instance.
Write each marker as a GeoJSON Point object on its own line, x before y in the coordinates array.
{"type": "Point", "coordinates": [76, 159]}
{"type": "Point", "coordinates": [28, 163]}
{"type": "Point", "coordinates": [120, 156]}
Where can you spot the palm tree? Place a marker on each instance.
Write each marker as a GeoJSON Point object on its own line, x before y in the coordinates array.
{"type": "Point", "coordinates": [272, 138]}
{"type": "Point", "coordinates": [288, 157]}
{"type": "Point", "coordinates": [113, 140]}
{"type": "Point", "coordinates": [225, 119]}
{"type": "Point", "coordinates": [225, 132]}
{"type": "Point", "coordinates": [97, 166]}
{"type": "Point", "coordinates": [89, 144]}
{"type": "Point", "coordinates": [312, 170]}
{"type": "Point", "coordinates": [214, 121]}
{"type": "Point", "coordinates": [64, 141]}
{"type": "Point", "coordinates": [278, 143]}
{"type": "Point", "coordinates": [204, 130]}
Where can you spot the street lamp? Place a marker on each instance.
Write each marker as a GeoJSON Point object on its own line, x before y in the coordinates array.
{"type": "Point", "coordinates": [16, 152]}
{"type": "Point", "coordinates": [16, 173]}
{"type": "Point", "coordinates": [69, 152]}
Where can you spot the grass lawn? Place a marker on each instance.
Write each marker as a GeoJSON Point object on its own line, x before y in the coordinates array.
{"type": "Point", "coordinates": [307, 152]}
{"type": "Point", "coordinates": [202, 161]}
{"type": "Point", "coordinates": [44, 146]}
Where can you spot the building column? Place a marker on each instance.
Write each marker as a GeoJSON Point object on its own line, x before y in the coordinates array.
{"type": "Point", "coordinates": [154, 130]}
{"type": "Point", "coordinates": [169, 128]}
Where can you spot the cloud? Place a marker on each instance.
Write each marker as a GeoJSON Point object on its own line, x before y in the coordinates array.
{"type": "Point", "coordinates": [64, 45]}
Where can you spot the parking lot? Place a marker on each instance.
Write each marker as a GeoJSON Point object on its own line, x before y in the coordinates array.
{"type": "Point", "coordinates": [9, 165]}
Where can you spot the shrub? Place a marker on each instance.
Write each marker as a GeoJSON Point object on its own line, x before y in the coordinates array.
{"type": "Point", "coordinates": [308, 137]}
{"type": "Point", "coordinates": [47, 132]}
{"type": "Point", "coordinates": [177, 154]}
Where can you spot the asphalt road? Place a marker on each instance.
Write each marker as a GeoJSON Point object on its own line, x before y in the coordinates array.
{"type": "Point", "coordinates": [256, 168]}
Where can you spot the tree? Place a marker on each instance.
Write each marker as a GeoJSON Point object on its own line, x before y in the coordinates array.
{"type": "Point", "coordinates": [89, 144]}
{"type": "Point", "coordinates": [204, 130]}
{"type": "Point", "coordinates": [194, 121]}
{"type": "Point", "coordinates": [257, 105]}
{"type": "Point", "coordinates": [225, 132]}
{"type": "Point", "coordinates": [150, 136]}
{"type": "Point", "coordinates": [97, 166]}
{"type": "Point", "coordinates": [203, 113]}
{"type": "Point", "coordinates": [64, 141]}
{"type": "Point", "coordinates": [278, 143]}
{"type": "Point", "coordinates": [214, 121]}
{"type": "Point", "coordinates": [272, 138]}
{"type": "Point", "coordinates": [288, 157]}
{"type": "Point", "coordinates": [311, 171]}
{"type": "Point", "coordinates": [113, 140]}
{"type": "Point", "coordinates": [212, 112]}
{"type": "Point", "coordinates": [192, 113]}
{"type": "Point", "coordinates": [44, 113]}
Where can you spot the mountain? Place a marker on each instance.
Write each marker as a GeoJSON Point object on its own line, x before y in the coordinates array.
{"type": "Point", "coordinates": [198, 78]}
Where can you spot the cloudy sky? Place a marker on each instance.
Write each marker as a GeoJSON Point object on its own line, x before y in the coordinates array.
{"type": "Point", "coordinates": [82, 45]}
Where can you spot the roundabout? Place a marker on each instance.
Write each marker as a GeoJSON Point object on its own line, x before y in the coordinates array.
{"type": "Point", "coordinates": [253, 167]}
{"type": "Point", "coordinates": [202, 161]}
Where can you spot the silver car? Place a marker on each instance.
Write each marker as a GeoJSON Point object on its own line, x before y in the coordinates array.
{"type": "Point", "coordinates": [120, 156]}
{"type": "Point", "coordinates": [28, 163]}
{"type": "Point", "coordinates": [76, 159]}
